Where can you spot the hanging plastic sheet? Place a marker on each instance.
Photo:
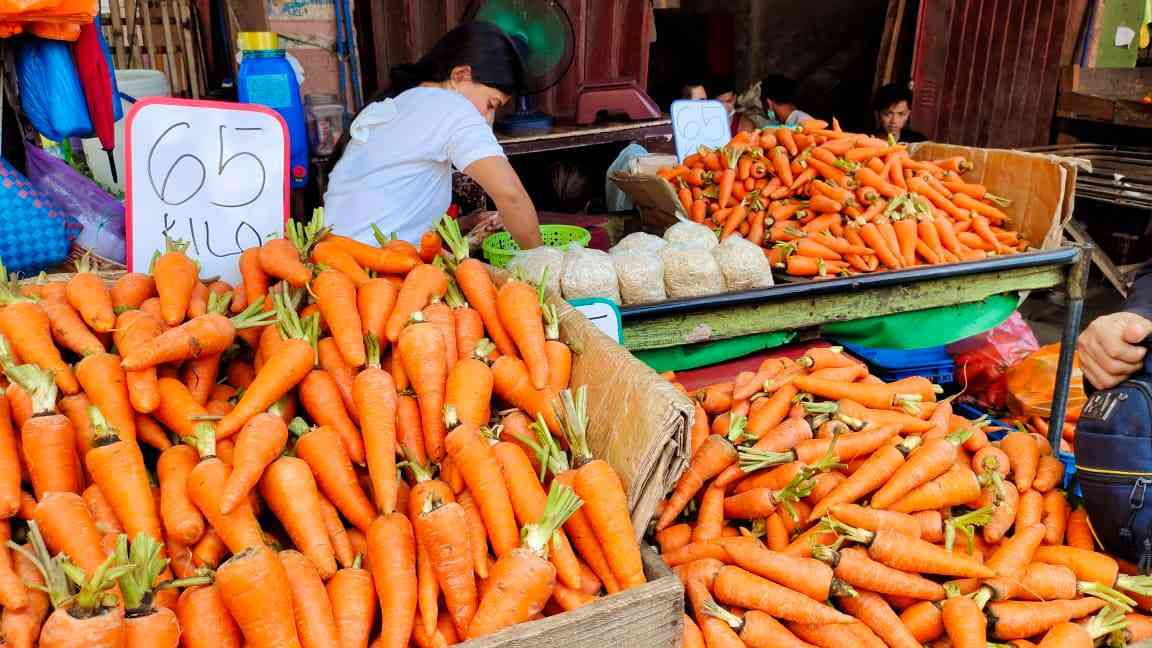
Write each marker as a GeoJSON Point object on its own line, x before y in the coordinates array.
{"type": "Point", "coordinates": [50, 92]}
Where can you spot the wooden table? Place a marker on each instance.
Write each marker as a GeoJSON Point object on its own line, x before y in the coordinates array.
{"type": "Point", "coordinates": [569, 136]}
{"type": "Point", "coordinates": [812, 303]}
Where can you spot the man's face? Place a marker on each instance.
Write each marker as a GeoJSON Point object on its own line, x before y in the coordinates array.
{"type": "Point", "coordinates": [895, 117]}
{"type": "Point", "coordinates": [729, 101]}
{"type": "Point", "coordinates": [697, 92]}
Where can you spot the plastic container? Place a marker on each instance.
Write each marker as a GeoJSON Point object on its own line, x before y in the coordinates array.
{"type": "Point", "coordinates": [325, 118]}
{"type": "Point", "coordinates": [499, 248]}
{"type": "Point", "coordinates": [267, 78]}
{"type": "Point", "coordinates": [133, 85]}
{"type": "Point", "coordinates": [933, 363]}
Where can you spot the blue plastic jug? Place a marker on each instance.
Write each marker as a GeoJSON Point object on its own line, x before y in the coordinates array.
{"type": "Point", "coordinates": [267, 78]}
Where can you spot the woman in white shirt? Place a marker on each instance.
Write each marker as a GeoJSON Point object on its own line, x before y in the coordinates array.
{"type": "Point", "coordinates": [396, 170]}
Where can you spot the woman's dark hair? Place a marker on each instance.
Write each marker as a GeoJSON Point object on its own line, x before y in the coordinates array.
{"type": "Point", "coordinates": [491, 54]}
{"type": "Point", "coordinates": [778, 88]}
{"type": "Point", "coordinates": [890, 95]}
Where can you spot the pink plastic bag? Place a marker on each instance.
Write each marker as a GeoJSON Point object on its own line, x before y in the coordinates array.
{"type": "Point", "coordinates": [983, 360]}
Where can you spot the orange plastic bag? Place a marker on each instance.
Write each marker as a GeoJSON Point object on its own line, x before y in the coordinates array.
{"type": "Point", "coordinates": [1032, 380]}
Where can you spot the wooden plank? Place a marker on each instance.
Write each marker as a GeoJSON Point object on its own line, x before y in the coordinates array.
{"type": "Point", "coordinates": [737, 321]}
{"type": "Point", "coordinates": [251, 14]}
{"type": "Point", "coordinates": [889, 43]}
{"type": "Point", "coordinates": [149, 36]}
{"type": "Point", "coordinates": [115, 31]}
{"type": "Point", "coordinates": [1073, 105]}
{"type": "Point", "coordinates": [175, 77]}
{"type": "Point", "coordinates": [1119, 83]}
{"type": "Point", "coordinates": [648, 616]}
{"type": "Point", "coordinates": [1100, 259]}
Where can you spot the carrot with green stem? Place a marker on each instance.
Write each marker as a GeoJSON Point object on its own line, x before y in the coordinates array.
{"type": "Point", "coordinates": [176, 277]}
{"type": "Point", "coordinates": [420, 286]}
{"type": "Point", "coordinates": [523, 579]}
{"type": "Point", "coordinates": [322, 449]}
{"type": "Point", "coordinates": [476, 460]}
{"type": "Point", "coordinates": [908, 553]}
{"type": "Point", "coordinates": [756, 629]}
{"type": "Point", "coordinates": [147, 624]}
{"type": "Point", "coordinates": [468, 390]}
{"type": "Point", "coordinates": [87, 293]}
{"type": "Point", "coordinates": [736, 586]}
{"type": "Point", "coordinates": [438, 531]}
{"type": "Point", "coordinates": [1008, 620]}
{"type": "Point", "coordinates": [473, 280]}
{"type": "Point", "coordinates": [422, 351]}
{"type": "Point", "coordinates": [24, 324]}
{"type": "Point", "coordinates": [47, 439]}
{"type": "Point", "coordinates": [85, 609]}
{"type": "Point", "coordinates": [854, 567]}
{"type": "Point", "coordinates": [807, 576]}
{"type": "Point", "coordinates": [294, 358]}
{"type": "Point", "coordinates": [931, 460]}
{"type": "Point", "coordinates": [959, 485]}
{"type": "Point", "coordinates": [375, 396]}
{"type": "Point", "coordinates": [521, 316]}
{"type": "Point", "coordinates": [336, 295]}
{"type": "Point", "coordinates": [206, 335]}
{"type": "Point", "coordinates": [117, 467]}
{"type": "Point", "coordinates": [238, 529]}
{"type": "Point", "coordinates": [875, 472]}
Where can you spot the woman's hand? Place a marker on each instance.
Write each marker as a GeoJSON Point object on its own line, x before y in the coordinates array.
{"type": "Point", "coordinates": [1109, 348]}
{"type": "Point", "coordinates": [500, 182]}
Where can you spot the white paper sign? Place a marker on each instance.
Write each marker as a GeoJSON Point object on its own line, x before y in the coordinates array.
{"type": "Point", "coordinates": [212, 174]}
{"type": "Point", "coordinates": [696, 122]}
{"type": "Point", "coordinates": [604, 315]}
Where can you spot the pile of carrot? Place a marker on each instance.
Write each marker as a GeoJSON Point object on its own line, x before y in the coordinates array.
{"type": "Point", "coordinates": [825, 507]}
{"type": "Point", "coordinates": [823, 202]}
{"type": "Point", "coordinates": [357, 445]}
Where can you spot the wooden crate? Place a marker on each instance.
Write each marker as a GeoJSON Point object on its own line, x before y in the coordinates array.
{"type": "Point", "coordinates": [649, 616]}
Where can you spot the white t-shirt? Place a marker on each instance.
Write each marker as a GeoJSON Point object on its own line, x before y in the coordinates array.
{"type": "Point", "coordinates": [397, 169]}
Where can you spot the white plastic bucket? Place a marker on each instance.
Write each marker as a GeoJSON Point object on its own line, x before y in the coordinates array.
{"type": "Point", "coordinates": [136, 84]}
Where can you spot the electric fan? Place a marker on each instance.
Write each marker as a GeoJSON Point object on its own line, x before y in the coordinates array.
{"type": "Point", "coordinates": [543, 35]}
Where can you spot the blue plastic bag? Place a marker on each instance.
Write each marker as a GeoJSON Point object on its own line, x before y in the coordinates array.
{"type": "Point", "coordinates": [34, 233]}
{"type": "Point", "coordinates": [50, 91]}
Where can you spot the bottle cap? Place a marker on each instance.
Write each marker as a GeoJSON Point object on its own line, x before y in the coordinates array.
{"type": "Point", "coordinates": [255, 41]}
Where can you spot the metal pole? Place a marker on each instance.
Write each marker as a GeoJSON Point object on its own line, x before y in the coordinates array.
{"type": "Point", "coordinates": [1074, 288]}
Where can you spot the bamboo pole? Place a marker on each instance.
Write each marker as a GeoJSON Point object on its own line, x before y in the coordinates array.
{"type": "Point", "coordinates": [116, 30]}
{"type": "Point", "coordinates": [189, 48]}
{"type": "Point", "coordinates": [130, 33]}
{"type": "Point", "coordinates": [149, 37]}
{"type": "Point", "coordinates": [173, 68]}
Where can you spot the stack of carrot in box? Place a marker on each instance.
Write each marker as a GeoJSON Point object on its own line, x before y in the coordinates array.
{"type": "Point", "coordinates": [823, 202]}
{"type": "Point", "coordinates": [825, 507]}
{"type": "Point", "coordinates": [247, 468]}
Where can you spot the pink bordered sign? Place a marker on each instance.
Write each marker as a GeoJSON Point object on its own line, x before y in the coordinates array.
{"type": "Point", "coordinates": [212, 174]}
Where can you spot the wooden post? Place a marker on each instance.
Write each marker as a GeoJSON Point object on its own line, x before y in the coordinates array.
{"type": "Point", "coordinates": [171, 64]}
{"type": "Point", "coordinates": [149, 37]}
{"type": "Point", "coordinates": [185, 16]}
{"type": "Point", "coordinates": [116, 30]}
{"type": "Point", "coordinates": [130, 34]}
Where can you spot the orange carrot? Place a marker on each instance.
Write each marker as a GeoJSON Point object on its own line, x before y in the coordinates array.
{"type": "Point", "coordinates": [519, 308]}
{"type": "Point", "coordinates": [420, 286]}
{"type": "Point", "coordinates": [392, 558]}
{"type": "Point", "coordinates": [257, 592]}
{"type": "Point", "coordinates": [422, 349]}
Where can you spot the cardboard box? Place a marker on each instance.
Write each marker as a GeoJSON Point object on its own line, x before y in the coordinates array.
{"type": "Point", "coordinates": [638, 422]}
{"type": "Point", "coordinates": [654, 198]}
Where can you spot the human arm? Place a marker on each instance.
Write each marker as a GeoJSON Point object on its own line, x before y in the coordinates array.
{"type": "Point", "coordinates": [1110, 348]}
{"type": "Point", "coordinates": [500, 181]}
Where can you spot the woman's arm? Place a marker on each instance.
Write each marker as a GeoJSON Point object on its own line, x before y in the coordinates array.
{"type": "Point", "coordinates": [500, 181]}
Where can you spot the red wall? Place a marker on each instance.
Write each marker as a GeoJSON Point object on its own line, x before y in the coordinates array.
{"type": "Point", "coordinates": [612, 38]}
{"type": "Point", "coordinates": [986, 71]}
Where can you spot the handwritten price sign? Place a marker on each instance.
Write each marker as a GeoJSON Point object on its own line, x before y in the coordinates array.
{"type": "Point", "coordinates": [697, 122]}
{"type": "Point", "coordinates": [210, 173]}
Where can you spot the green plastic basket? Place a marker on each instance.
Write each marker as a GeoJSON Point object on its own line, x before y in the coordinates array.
{"type": "Point", "coordinates": [499, 248]}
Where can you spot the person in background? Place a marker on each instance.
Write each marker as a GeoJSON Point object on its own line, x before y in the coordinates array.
{"type": "Point", "coordinates": [1110, 348]}
{"type": "Point", "coordinates": [893, 107]}
{"type": "Point", "coordinates": [724, 91]}
{"type": "Point", "coordinates": [395, 170]}
{"type": "Point", "coordinates": [693, 90]}
{"type": "Point", "coordinates": [778, 94]}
